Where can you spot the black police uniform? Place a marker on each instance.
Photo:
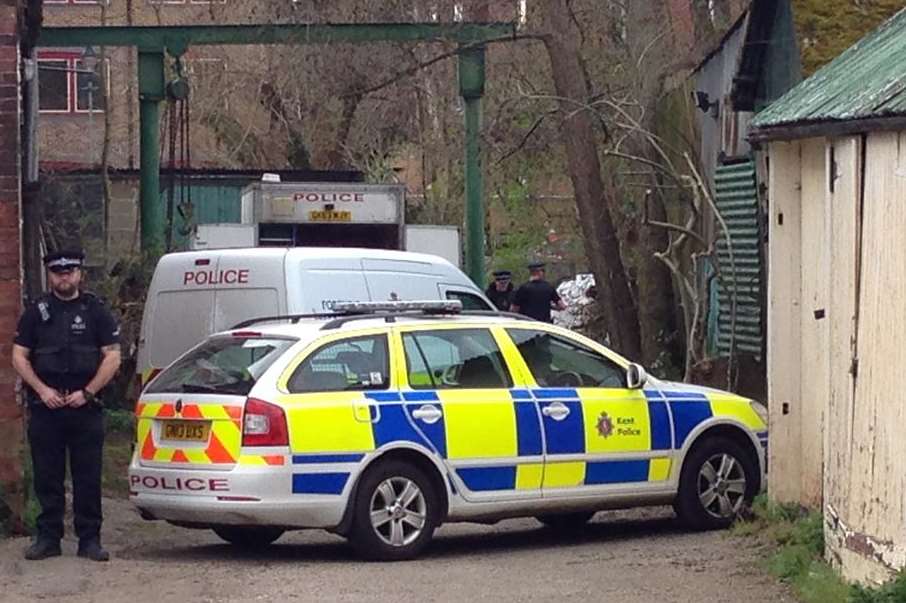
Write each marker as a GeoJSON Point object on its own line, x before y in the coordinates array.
{"type": "Point", "coordinates": [534, 299]}
{"type": "Point", "coordinates": [500, 299]}
{"type": "Point", "coordinates": [65, 339]}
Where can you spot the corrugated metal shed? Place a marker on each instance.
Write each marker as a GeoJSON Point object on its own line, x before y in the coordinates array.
{"type": "Point", "coordinates": [737, 201]}
{"type": "Point", "coordinates": [867, 81]}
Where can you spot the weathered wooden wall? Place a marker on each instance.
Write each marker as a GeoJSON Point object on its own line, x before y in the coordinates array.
{"type": "Point", "coordinates": [815, 281]}
{"type": "Point", "coordinates": [798, 284]}
{"type": "Point", "coordinates": [837, 294]}
{"type": "Point", "coordinates": [869, 531]}
{"type": "Point", "coordinates": [784, 291]}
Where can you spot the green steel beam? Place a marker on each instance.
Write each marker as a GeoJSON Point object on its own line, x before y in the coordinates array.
{"type": "Point", "coordinates": [471, 87]}
{"type": "Point", "coordinates": [150, 94]}
{"type": "Point", "coordinates": [191, 35]}
{"type": "Point", "coordinates": [153, 41]}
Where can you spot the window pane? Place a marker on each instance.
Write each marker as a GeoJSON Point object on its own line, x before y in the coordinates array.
{"type": "Point", "coordinates": [89, 95]}
{"type": "Point", "coordinates": [355, 364]}
{"type": "Point", "coordinates": [454, 359]}
{"type": "Point", "coordinates": [53, 89]}
{"type": "Point", "coordinates": [557, 362]}
{"type": "Point", "coordinates": [227, 365]}
{"type": "Point", "coordinates": [469, 301]}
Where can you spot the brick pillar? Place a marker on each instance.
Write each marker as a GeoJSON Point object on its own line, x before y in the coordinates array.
{"type": "Point", "coordinates": [682, 17]}
{"type": "Point", "coordinates": [11, 489]}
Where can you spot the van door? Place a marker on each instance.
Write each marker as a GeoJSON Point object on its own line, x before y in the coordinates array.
{"type": "Point", "coordinates": [314, 285]}
{"type": "Point", "coordinates": [248, 287]}
{"type": "Point", "coordinates": [178, 313]}
{"type": "Point", "coordinates": [400, 280]}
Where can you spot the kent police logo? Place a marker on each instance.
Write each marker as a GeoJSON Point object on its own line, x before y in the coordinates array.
{"type": "Point", "coordinates": [605, 425]}
{"type": "Point", "coordinates": [78, 324]}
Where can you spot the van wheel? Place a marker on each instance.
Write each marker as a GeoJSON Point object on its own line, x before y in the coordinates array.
{"type": "Point", "coordinates": [566, 522]}
{"type": "Point", "coordinates": [717, 481]}
{"type": "Point", "coordinates": [249, 537]}
{"type": "Point", "coordinates": [396, 512]}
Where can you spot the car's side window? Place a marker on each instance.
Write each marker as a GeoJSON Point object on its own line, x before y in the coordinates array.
{"type": "Point", "coordinates": [358, 363]}
{"type": "Point", "coordinates": [558, 362]}
{"type": "Point", "coordinates": [469, 301]}
{"type": "Point", "coordinates": [454, 359]}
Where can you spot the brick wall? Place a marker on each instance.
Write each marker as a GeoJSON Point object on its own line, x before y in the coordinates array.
{"type": "Point", "coordinates": [682, 18]}
{"type": "Point", "coordinates": [10, 288]}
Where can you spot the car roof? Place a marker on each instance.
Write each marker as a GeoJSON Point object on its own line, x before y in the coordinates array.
{"type": "Point", "coordinates": [309, 328]}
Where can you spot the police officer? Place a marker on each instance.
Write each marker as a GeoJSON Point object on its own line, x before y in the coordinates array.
{"type": "Point", "coordinates": [66, 349]}
{"type": "Point", "coordinates": [500, 292]}
{"type": "Point", "coordinates": [537, 297]}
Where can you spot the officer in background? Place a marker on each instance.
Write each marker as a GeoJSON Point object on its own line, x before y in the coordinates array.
{"type": "Point", "coordinates": [66, 349]}
{"type": "Point", "coordinates": [500, 292]}
{"type": "Point", "coordinates": [537, 297]}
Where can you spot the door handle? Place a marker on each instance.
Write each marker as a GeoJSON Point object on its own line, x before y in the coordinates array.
{"type": "Point", "coordinates": [428, 413]}
{"type": "Point", "coordinates": [556, 411]}
{"type": "Point", "coordinates": [362, 411]}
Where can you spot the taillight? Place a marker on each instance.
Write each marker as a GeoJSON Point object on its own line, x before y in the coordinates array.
{"type": "Point", "coordinates": [263, 424]}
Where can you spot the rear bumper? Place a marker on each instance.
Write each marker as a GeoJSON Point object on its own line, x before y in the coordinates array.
{"type": "Point", "coordinates": [242, 496]}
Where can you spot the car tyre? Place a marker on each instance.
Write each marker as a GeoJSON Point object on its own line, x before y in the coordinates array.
{"type": "Point", "coordinates": [718, 480]}
{"type": "Point", "coordinates": [566, 522]}
{"type": "Point", "coordinates": [397, 509]}
{"type": "Point", "coordinates": [249, 537]}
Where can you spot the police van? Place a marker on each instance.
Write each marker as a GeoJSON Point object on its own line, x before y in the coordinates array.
{"type": "Point", "coordinates": [194, 294]}
{"type": "Point", "coordinates": [386, 420]}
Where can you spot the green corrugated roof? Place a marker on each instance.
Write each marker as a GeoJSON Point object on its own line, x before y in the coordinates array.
{"type": "Point", "coordinates": [867, 80]}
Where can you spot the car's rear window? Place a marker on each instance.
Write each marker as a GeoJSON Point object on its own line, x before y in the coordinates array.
{"type": "Point", "coordinates": [221, 365]}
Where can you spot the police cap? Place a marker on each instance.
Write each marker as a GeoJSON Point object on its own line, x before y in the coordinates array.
{"type": "Point", "coordinates": [536, 266]}
{"type": "Point", "coordinates": [502, 275]}
{"type": "Point", "coordinates": [64, 260]}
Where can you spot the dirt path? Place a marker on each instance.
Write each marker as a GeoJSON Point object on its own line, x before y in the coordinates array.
{"type": "Point", "coordinates": [630, 557]}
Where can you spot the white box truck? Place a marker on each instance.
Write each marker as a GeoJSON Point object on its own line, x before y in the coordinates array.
{"type": "Point", "coordinates": [311, 214]}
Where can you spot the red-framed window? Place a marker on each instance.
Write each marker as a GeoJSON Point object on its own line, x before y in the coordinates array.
{"type": "Point", "coordinates": [186, 1]}
{"type": "Point", "coordinates": [66, 86]}
{"type": "Point", "coordinates": [75, 1]}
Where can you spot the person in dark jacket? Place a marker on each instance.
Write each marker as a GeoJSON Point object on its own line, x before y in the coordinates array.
{"type": "Point", "coordinates": [500, 292]}
{"type": "Point", "coordinates": [537, 297]}
{"type": "Point", "coordinates": [66, 349]}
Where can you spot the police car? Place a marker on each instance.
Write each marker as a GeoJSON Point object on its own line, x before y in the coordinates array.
{"type": "Point", "coordinates": [386, 420]}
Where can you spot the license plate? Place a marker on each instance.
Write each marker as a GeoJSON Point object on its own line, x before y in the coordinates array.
{"type": "Point", "coordinates": [187, 431]}
{"type": "Point", "coordinates": [330, 216]}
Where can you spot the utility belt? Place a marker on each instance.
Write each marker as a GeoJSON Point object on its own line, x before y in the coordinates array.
{"type": "Point", "coordinates": [33, 399]}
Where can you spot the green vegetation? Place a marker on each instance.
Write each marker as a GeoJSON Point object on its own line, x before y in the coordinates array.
{"type": "Point", "coordinates": [117, 454]}
{"type": "Point", "coordinates": [797, 536]}
{"type": "Point", "coordinates": [825, 28]}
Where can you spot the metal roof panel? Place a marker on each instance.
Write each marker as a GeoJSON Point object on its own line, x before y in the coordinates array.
{"type": "Point", "coordinates": [867, 81]}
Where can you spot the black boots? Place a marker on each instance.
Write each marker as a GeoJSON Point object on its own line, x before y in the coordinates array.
{"type": "Point", "coordinates": [42, 549]}
{"type": "Point", "coordinates": [92, 549]}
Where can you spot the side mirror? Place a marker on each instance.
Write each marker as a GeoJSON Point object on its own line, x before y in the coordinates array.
{"type": "Point", "coordinates": [636, 377]}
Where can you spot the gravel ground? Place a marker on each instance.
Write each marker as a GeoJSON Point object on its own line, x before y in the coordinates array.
{"type": "Point", "coordinates": [639, 556]}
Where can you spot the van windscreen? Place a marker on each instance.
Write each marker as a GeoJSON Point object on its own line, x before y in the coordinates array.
{"type": "Point", "coordinates": [221, 365]}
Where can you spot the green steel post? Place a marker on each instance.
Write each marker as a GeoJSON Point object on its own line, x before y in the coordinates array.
{"type": "Point", "coordinates": [150, 94]}
{"type": "Point", "coordinates": [471, 87]}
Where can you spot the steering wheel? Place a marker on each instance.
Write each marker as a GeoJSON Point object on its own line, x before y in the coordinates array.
{"type": "Point", "coordinates": [567, 379]}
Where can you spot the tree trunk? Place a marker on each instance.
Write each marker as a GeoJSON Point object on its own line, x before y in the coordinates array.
{"type": "Point", "coordinates": [594, 206]}
{"type": "Point", "coordinates": [656, 300]}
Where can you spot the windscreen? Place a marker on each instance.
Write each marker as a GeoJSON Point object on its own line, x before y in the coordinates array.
{"type": "Point", "coordinates": [221, 365]}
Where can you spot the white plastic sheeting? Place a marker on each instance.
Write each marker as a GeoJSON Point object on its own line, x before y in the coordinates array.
{"type": "Point", "coordinates": [578, 305]}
